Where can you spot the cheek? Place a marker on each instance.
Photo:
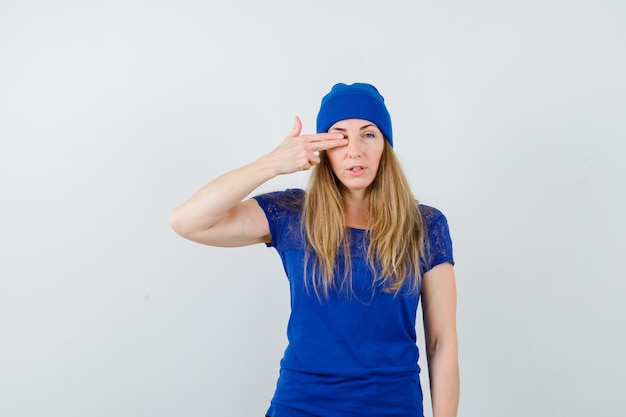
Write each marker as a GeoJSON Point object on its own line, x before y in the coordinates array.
{"type": "Point", "coordinates": [378, 155]}
{"type": "Point", "coordinates": [334, 158]}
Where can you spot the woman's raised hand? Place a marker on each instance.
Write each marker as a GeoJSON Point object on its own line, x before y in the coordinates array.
{"type": "Point", "coordinates": [300, 152]}
{"type": "Point", "coordinates": [217, 213]}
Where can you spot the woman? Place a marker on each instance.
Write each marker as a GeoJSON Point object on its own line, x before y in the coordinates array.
{"type": "Point", "coordinates": [358, 251]}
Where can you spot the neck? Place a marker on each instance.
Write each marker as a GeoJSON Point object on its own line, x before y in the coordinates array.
{"type": "Point", "coordinates": [357, 210]}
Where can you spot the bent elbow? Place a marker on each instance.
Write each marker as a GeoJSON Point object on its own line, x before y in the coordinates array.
{"type": "Point", "coordinates": [177, 223]}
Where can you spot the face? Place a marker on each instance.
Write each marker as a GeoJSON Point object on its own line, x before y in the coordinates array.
{"type": "Point", "coordinates": [356, 164]}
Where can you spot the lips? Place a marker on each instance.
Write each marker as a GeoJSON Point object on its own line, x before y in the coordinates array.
{"type": "Point", "coordinates": [356, 170]}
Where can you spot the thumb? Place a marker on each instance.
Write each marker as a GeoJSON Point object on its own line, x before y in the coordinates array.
{"type": "Point", "coordinates": [297, 128]}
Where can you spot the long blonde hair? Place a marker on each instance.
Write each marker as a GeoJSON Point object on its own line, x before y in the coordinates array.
{"type": "Point", "coordinates": [396, 228]}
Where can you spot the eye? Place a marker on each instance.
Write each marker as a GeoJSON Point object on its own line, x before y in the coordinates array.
{"type": "Point", "coordinates": [369, 135]}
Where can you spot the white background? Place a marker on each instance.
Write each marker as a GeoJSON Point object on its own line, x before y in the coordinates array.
{"type": "Point", "coordinates": [509, 116]}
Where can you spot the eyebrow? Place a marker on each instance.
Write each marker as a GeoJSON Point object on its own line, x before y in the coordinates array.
{"type": "Point", "coordinates": [341, 129]}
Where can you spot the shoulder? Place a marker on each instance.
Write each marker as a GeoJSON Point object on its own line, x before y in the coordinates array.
{"type": "Point", "coordinates": [437, 237]}
{"type": "Point", "coordinates": [289, 199]}
{"type": "Point", "coordinates": [283, 210]}
{"type": "Point", "coordinates": [295, 194]}
{"type": "Point", "coordinates": [431, 215]}
{"type": "Point", "coordinates": [278, 204]}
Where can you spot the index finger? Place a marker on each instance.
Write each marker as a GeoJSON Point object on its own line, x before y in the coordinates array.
{"type": "Point", "coordinates": [323, 141]}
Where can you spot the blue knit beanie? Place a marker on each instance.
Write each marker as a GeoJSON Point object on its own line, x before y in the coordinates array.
{"type": "Point", "coordinates": [354, 101]}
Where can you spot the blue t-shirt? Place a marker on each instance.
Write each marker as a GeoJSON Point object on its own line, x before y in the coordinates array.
{"type": "Point", "coordinates": [353, 353]}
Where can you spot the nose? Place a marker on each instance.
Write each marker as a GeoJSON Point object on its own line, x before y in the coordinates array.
{"type": "Point", "coordinates": [354, 147]}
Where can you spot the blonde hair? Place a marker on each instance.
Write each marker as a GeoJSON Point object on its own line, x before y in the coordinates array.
{"type": "Point", "coordinates": [396, 228]}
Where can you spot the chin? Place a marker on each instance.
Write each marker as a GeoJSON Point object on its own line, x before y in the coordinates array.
{"type": "Point", "coordinates": [354, 186]}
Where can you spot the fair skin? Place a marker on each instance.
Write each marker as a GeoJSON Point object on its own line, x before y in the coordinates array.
{"type": "Point", "coordinates": [218, 215]}
{"type": "Point", "coordinates": [439, 313]}
{"type": "Point", "coordinates": [356, 165]}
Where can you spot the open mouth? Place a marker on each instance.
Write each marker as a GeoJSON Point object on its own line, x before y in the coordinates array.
{"type": "Point", "coordinates": [356, 171]}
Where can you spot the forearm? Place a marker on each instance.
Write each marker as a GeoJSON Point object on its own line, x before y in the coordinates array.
{"type": "Point", "coordinates": [209, 204]}
{"type": "Point", "coordinates": [443, 369]}
{"type": "Point", "coordinates": [209, 209]}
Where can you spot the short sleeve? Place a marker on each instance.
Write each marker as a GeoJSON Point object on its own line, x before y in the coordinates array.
{"type": "Point", "coordinates": [282, 209]}
{"type": "Point", "coordinates": [438, 240]}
